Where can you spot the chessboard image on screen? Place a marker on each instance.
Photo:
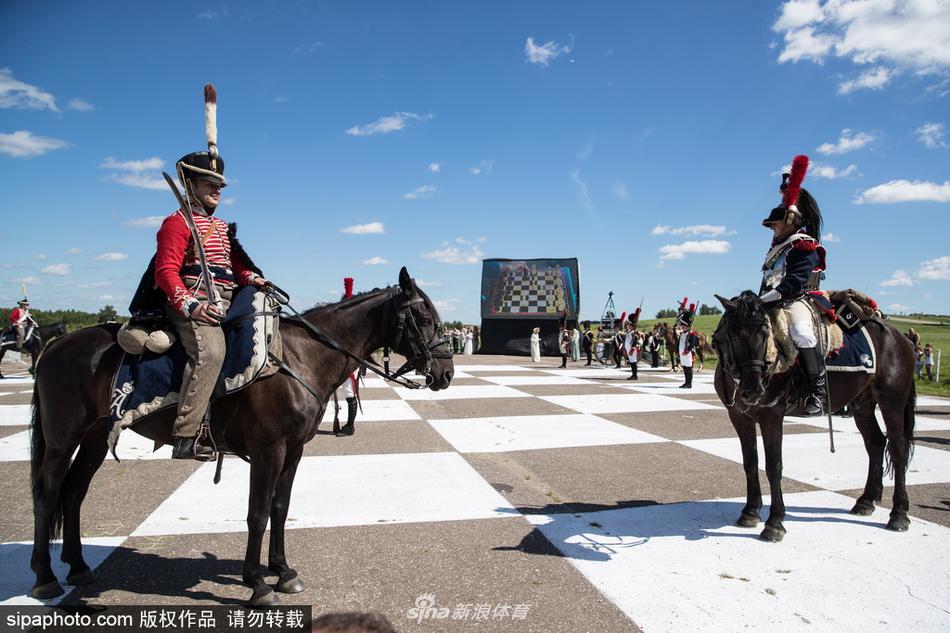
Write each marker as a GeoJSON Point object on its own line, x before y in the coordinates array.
{"type": "Point", "coordinates": [529, 288]}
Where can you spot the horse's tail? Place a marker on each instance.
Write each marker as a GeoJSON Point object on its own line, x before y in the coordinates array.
{"type": "Point", "coordinates": [37, 453]}
{"type": "Point", "coordinates": [910, 420]}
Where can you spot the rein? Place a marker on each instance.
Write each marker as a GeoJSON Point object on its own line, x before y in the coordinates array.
{"type": "Point", "coordinates": [405, 318]}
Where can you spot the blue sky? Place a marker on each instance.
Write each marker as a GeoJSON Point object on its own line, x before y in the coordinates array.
{"type": "Point", "coordinates": [645, 139]}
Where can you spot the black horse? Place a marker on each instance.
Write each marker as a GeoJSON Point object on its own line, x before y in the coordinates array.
{"type": "Point", "coordinates": [754, 395]}
{"type": "Point", "coordinates": [268, 422]}
{"type": "Point", "coordinates": [33, 345]}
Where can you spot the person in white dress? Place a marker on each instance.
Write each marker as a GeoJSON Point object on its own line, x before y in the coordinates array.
{"type": "Point", "coordinates": [468, 347]}
{"type": "Point", "coordinates": [575, 344]}
{"type": "Point", "coordinates": [536, 345]}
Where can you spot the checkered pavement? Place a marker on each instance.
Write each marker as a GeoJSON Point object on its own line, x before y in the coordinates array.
{"type": "Point", "coordinates": [588, 501]}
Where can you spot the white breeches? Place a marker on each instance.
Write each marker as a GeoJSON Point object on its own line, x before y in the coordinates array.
{"type": "Point", "coordinates": [686, 360]}
{"type": "Point", "coordinates": [801, 326]}
{"type": "Point", "coordinates": [347, 388]}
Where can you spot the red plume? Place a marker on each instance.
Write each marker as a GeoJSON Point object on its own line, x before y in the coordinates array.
{"type": "Point", "coordinates": [347, 287]}
{"type": "Point", "coordinates": [683, 303]}
{"type": "Point", "coordinates": [623, 317]}
{"type": "Point", "coordinates": [636, 315]}
{"type": "Point", "coordinates": [692, 307]}
{"type": "Point", "coordinates": [799, 167]}
{"type": "Point", "coordinates": [211, 95]}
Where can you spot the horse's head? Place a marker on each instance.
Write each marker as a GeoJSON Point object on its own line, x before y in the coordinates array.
{"type": "Point", "coordinates": [741, 342]}
{"type": "Point", "coordinates": [417, 334]}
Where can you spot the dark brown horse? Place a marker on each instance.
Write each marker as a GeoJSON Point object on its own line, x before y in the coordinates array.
{"type": "Point", "coordinates": [668, 336]}
{"type": "Point", "coordinates": [754, 395]}
{"type": "Point", "coordinates": [268, 422]}
{"type": "Point", "coordinates": [33, 345]}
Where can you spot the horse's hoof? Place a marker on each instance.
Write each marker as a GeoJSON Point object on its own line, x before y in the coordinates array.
{"type": "Point", "coordinates": [863, 508]}
{"type": "Point", "coordinates": [898, 524]}
{"type": "Point", "coordinates": [83, 577]}
{"type": "Point", "coordinates": [49, 590]}
{"type": "Point", "coordinates": [772, 534]}
{"type": "Point", "coordinates": [268, 599]}
{"type": "Point", "coordinates": [748, 520]}
{"type": "Point", "coordinates": [291, 585]}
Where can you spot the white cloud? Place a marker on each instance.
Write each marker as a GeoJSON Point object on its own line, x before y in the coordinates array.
{"type": "Point", "coordinates": [586, 151]}
{"type": "Point", "coordinates": [280, 99]}
{"type": "Point", "coordinates": [22, 144]}
{"type": "Point", "coordinates": [895, 36]}
{"type": "Point", "coordinates": [40, 256]}
{"type": "Point", "coordinates": [932, 135]}
{"type": "Point", "coordinates": [308, 48]}
{"type": "Point", "coordinates": [105, 297]}
{"type": "Point", "coordinates": [374, 261]}
{"type": "Point", "coordinates": [364, 229]}
{"type": "Point", "coordinates": [227, 202]}
{"type": "Point", "coordinates": [425, 191]}
{"type": "Point", "coordinates": [28, 280]}
{"type": "Point", "coordinates": [620, 191]}
{"type": "Point", "coordinates": [693, 229]}
{"type": "Point", "coordinates": [139, 180]}
{"type": "Point", "coordinates": [935, 269]}
{"type": "Point", "coordinates": [583, 193]}
{"type": "Point", "coordinates": [57, 269]}
{"type": "Point", "coordinates": [446, 305]}
{"type": "Point", "coordinates": [435, 168]}
{"type": "Point", "coordinates": [212, 15]}
{"type": "Point", "coordinates": [388, 124]}
{"type": "Point", "coordinates": [544, 53]}
{"type": "Point", "coordinates": [111, 257]}
{"type": "Point", "coordinates": [80, 106]}
{"type": "Point", "coordinates": [847, 142]}
{"type": "Point", "coordinates": [23, 96]}
{"type": "Point", "coordinates": [133, 165]}
{"type": "Point", "coordinates": [74, 251]}
{"type": "Point", "coordinates": [898, 278]}
{"type": "Point", "coordinates": [483, 167]}
{"type": "Point", "coordinates": [422, 283]}
{"type": "Point", "coordinates": [702, 247]}
{"type": "Point", "coordinates": [819, 170]}
{"type": "Point", "coordinates": [95, 284]}
{"type": "Point", "coordinates": [898, 307]}
{"type": "Point", "coordinates": [905, 191]}
{"type": "Point", "coordinates": [830, 238]}
{"type": "Point", "coordinates": [872, 79]}
{"type": "Point", "coordinates": [150, 221]}
{"type": "Point", "coordinates": [455, 255]}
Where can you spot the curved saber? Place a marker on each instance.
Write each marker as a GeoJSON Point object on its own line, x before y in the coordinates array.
{"type": "Point", "coordinates": [210, 290]}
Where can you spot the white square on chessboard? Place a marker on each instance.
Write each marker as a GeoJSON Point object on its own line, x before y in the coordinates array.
{"type": "Point", "coordinates": [461, 392]}
{"type": "Point", "coordinates": [17, 579]}
{"type": "Point", "coordinates": [498, 368]}
{"type": "Point", "coordinates": [833, 571]}
{"type": "Point", "coordinates": [930, 401]}
{"type": "Point", "coordinates": [376, 411]}
{"type": "Point", "coordinates": [12, 393]}
{"type": "Point", "coordinates": [15, 414]}
{"type": "Point", "coordinates": [336, 491]}
{"type": "Point", "coordinates": [670, 388]}
{"type": "Point", "coordinates": [806, 458]}
{"type": "Point", "coordinates": [534, 379]}
{"type": "Point", "coordinates": [598, 373]}
{"type": "Point", "coordinates": [625, 403]}
{"type": "Point", "coordinates": [17, 380]}
{"type": "Point", "coordinates": [131, 445]}
{"type": "Point", "coordinates": [528, 432]}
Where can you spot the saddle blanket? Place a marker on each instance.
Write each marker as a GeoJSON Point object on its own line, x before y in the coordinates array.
{"type": "Point", "coordinates": [8, 337]}
{"type": "Point", "coordinates": [857, 353]}
{"type": "Point", "coordinates": [149, 382]}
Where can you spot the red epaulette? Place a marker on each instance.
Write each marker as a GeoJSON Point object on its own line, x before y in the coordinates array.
{"type": "Point", "coordinates": [805, 245]}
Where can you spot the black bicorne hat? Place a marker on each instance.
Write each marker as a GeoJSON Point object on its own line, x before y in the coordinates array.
{"type": "Point", "coordinates": [198, 166]}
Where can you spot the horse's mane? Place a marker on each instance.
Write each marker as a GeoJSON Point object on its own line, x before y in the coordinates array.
{"type": "Point", "coordinates": [350, 302]}
{"type": "Point", "coordinates": [749, 307]}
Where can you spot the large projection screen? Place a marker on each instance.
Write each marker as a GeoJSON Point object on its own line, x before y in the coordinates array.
{"type": "Point", "coordinates": [530, 289]}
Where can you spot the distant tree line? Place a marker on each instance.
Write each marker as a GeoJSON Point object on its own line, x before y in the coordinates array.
{"type": "Point", "coordinates": [74, 319]}
{"type": "Point", "coordinates": [704, 310]}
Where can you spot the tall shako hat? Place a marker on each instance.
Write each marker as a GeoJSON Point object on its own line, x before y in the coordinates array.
{"type": "Point", "coordinates": [347, 287]}
{"type": "Point", "coordinates": [798, 207]}
{"type": "Point", "coordinates": [205, 165]}
{"type": "Point", "coordinates": [685, 316]}
{"type": "Point", "coordinates": [634, 318]}
{"type": "Point", "coordinates": [23, 302]}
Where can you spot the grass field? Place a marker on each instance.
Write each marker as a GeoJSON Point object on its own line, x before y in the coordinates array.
{"type": "Point", "coordinates": [932, 329]}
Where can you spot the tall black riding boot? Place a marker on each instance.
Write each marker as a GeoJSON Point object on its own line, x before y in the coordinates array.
{"type": "Point", "coordinates": [688, 375]}
{"type": "Point", "coordinates": [350, 427]}
{"type": "Point", "coordinates": [633, 371]}
{"type": "Point", "coordinates": [816, 403]}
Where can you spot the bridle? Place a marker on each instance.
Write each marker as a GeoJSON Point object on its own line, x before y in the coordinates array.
{"type": "Point", "coordinates": [421, 354]}
{"type": "Point", "coordinates": [738, 371]}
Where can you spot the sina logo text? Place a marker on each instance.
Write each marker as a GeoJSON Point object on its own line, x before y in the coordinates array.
{"type": "Point", "coordinates": [425, 609]}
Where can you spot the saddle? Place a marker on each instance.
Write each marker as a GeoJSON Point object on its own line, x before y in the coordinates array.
{"type": "Point", "coordinates": [149, 382]}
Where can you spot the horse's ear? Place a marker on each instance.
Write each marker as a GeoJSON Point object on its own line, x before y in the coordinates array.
{"type": "Point", "coordinates": [726, 303]}
{"type": "Point", "coordinates": [405, 281]}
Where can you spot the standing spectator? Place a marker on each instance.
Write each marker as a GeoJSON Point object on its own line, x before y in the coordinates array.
{"type": "Point", "coordinates": [588, 341]}
{"type": "Point", "coordinates": [653, 346]}
{"type": "Point", "coordinates": [455, 341]}
{"type": "Point", "coordinates": [914, 337]}
{"type": "Point", "coordinates": [929, 361]}
{"type": "Point", "coordinates": [919, 358]}
{"type": "Point", "coordinates": [474, 338]}
{"type": "Point", "coordinates": [536, 345]}
{"type": "Point", "coordinates": [468, 347]}
{"type": "Point", "coordinates": [575, 344]}
{"type": "Point", "coordinates": [564, 345]}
